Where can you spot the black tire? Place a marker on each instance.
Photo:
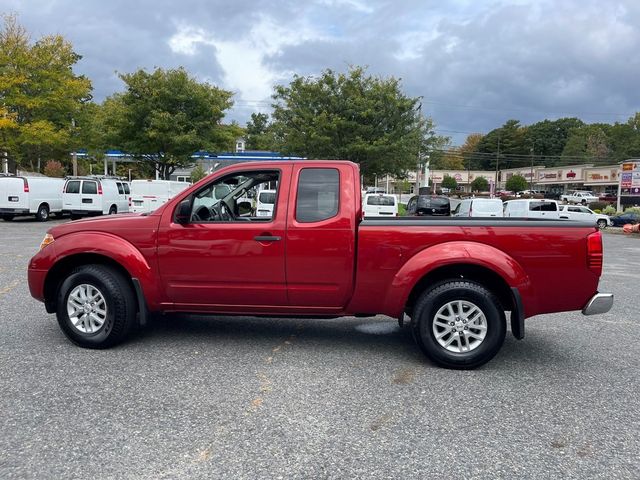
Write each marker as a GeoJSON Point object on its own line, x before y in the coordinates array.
{"type": "Point", "coordinates": [113, 210]}
{"type": "Point", "coordinates": [75, 216]}
{"type": "Point", "coordinates": [121, 307]}
{"type": "Point", "coordinates": [7, 218]}
{"type": "Point", "coordinates": [452, 290]}
{"type": "Point", "coordinates": [602, 224]}
{"type": "Point", "coordinates": [43, 213]}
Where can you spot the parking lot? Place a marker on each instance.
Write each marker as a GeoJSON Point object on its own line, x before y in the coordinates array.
{"type": "Point", "coordinates": [230, 397]}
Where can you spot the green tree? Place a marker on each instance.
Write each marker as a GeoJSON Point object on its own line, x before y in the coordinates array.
{"type": "Point", "coordinates": [588, 142]}
{"type": "Point", "coordinates": [509, 141]}
{"type": "Point", "coordinates": [41, 93]}
{"type": "Point", "coordinates": [548, 138]}
{"type": "Point", "coordinates": [480, 184]}
{"type": "Point", "coordinates": [449, 182]}
{"type": "Point", "coordinates": [353, 116]}
{"type": "Point", "coordinates": [517, 183]}
{"type": "Point", "coordinates": [197, 173]}
{"type": "Point", "coordinates": [163, 117]}
{"type": "Point", "coordinates": [258, 133]}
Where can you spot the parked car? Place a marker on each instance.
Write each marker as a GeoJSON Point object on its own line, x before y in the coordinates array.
{"type": "Point", "coordinates": [585, 214]}
{"type": "Point", "coordinates": [479, 207]}
{"type": "Point", "coordinates": [420, 205]}
{"type": "Point", "coordinates": [608, 197]}
{"type": "Point", "coordinates": [147, 195]}
{"type": "Point", "coordinates": [38, 196]}
{"type": "Point", "coordinates": [581, 197]}
{"type": "Point", "coordinates": [265, 203]}
{"type": "Point", "coordinates": [380, 205]}
{"type": "Point", "coordinates": [623, 219]}
{"type": "Point", "coordinates": [455, 278]}
{"type": "Point", "coordinates": [95, 195]}
{"type": "Point", "coordinates": [531, 208]}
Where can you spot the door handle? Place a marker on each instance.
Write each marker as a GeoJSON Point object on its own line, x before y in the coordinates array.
{"type": "Point", "coordinates": [266, 238]}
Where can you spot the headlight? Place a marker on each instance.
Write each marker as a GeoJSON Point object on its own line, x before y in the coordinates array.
{"type": "Point", "coordinates": [47, 240]}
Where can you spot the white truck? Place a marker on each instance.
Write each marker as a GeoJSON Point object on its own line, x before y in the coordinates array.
{"type": "Point", "coordinates": [148, 195]}
{"type": "Point", "coordinates": [38, 196]}
{"type": "Point", "coordinates": [579, 196]}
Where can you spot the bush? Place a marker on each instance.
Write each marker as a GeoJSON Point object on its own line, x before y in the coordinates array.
{"type": "Point", "coordinates": [480, 184]}
{"type": "Point", "coordinates": [632, 210]}
{"type": "Point", "coordinates": [517, 183]}
{"type": "Point", "coordinates": [53, 168]}
{"type": "Point", "coordinates": [197, 173]}
{"type": "Point", "coordinates": [449, 182]}
{"type": "Point", "coordinates": [598, 205]}
{"type": "Point", "coordinates": [609, 210]}
{"type": "Point", "coordinates": [596, 211]}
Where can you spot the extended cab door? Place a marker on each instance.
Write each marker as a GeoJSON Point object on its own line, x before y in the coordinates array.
{"type": "Point", "coordinates": [222, 259]}
{"type": "Point", "coordinates": [321, 236]}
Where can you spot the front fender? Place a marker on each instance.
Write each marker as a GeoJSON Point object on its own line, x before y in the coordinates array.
{"type": "Point", "coordinates": [447, 254]}
{"type": "Point", "coordinates": [115, 248]}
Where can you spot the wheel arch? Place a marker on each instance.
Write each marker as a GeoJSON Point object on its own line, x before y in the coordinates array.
{"type": "Point", "coordinates": [61, 269]}
{"type": "Point", "coordinates": [484, 264]}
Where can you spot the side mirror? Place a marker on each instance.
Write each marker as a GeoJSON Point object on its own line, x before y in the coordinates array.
{"type": "Point", "coordinates": [243, 209]}
{"type": "Point", "coordinates": [183, 212]}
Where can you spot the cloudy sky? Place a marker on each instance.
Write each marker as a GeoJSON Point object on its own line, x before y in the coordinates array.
{"type": "Point", "coordinates": [476, 63]}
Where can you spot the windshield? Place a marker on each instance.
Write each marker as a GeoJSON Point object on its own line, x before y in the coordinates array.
{"type": "Point", "coordinates": [267, 197]}
{"type": "Point", "coordinates": [381, 200]}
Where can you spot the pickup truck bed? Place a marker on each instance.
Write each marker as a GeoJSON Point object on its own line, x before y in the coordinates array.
{"type": "Point", "coordinates": [316, 257]}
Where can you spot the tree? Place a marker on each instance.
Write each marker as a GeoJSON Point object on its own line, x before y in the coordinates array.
{"type": "Point", "coordinates": [589, 142]}
{"type": "Point", "coordinates": [449, 182]}
{"type": "Point", "coordinates": [197, 174]}
{"type": "Point", "coordinates": [163, 117]}
{"type": "Point", "coordinates": [258, 133]}
{"type": "Point", "coordinates": [480, 184]}
{"type": "Point", "coordinates": [40, 93]}
{"type": "Point", "coordinates": [353, 116]}
{"type": "Point", "coordinates": [53, 168]}
{"type": "Point", "coordinates": [509, 140]}
{"type": "Point", "coordinates": [517, 183]}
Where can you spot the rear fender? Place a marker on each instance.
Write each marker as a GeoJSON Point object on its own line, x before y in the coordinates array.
{"type": "Point", "coordinates": [113, 248]}
{"type": "Point", "coordinates": [448, 254]}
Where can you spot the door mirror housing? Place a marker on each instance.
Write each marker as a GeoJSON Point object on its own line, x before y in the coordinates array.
{"type": "Point", "coordinates": [183, 212]}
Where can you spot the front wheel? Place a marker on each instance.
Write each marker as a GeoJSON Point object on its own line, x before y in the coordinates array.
{"type": "Point", "coordinates": [602, 224]}
{"type": "Point", "coordinates": [96, 306]}
{"type": "Point", "coordinates": [459, 324]}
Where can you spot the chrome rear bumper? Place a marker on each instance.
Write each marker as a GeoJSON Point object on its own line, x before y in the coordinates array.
{"type": "Point", "coordinates": [599, 303]}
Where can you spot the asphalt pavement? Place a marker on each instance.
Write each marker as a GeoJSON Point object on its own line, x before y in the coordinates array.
{"type": "Point", "coordinates": [231, 397]}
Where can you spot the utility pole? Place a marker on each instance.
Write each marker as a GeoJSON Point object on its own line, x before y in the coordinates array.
{"type": "Point", "coordinates": [531, 173]}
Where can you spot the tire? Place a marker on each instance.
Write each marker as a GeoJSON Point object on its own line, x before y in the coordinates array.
{"type": "Point", "coordinates": [75, 216]}
{"type": "Point", "coordinates": [443, 300]}
{"type": "Point", "coordinates": [583, 202]}
{"type": "Point", "coordinates": [7, 218]}
{"type": "Point", "coordinates": [113, 210]}
{"type": "Point", "coordinates": [602, 224]}
{"type": "Point", "coordinates": [115, 307]}
{"type": "Point", "coordinates": [43, 213]}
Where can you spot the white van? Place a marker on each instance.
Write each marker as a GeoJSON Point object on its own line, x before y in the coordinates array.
{"type": "Point", "coordinates": [479, 207]}
{"type": "Point", "coordinates": [531, 208]}
{"type": "Point", "coordinates": [39, 196]}
{"type": "Point", "coordinates": [95, 196]}
{"type": "Point", "coordinates": [147, 195]}
{"type": "Point", "coordinates": [265, 203]}
{"type": "Point", "coordinates": [380, 205]}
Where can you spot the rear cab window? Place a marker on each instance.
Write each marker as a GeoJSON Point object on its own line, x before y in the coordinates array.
{"type": "Point", "coordinates": [318, 194]}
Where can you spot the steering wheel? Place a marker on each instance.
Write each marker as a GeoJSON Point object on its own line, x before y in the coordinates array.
{"type": "Point", "coordinates": [223, 212]}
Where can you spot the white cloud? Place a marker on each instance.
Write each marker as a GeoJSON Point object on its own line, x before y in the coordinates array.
{"type": "Point", "coordinates": [242, 60]}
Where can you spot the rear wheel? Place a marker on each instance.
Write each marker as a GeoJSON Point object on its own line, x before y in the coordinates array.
{"type": "Point", "coordinates": [113, 210]}
{"type": "Point", "coordinates": [43, 213]}
{"type": "Point", "coordinates": [96, 306]}
{"type": "Point", "coordinates": [7, 218]}
{"type": "Point", "coordinates": [459, 324]}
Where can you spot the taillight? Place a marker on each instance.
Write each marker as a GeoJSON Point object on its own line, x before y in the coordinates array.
{"type": "Point", "coordinates": [26, 185]}
{"type": "Point", "coordinates": [594, 253]}
{"type": "Point", "coordinates": [99, 188]}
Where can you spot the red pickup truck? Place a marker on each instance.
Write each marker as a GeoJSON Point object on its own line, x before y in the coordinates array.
{"type": "Point", "coordinates": [206, 251]}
